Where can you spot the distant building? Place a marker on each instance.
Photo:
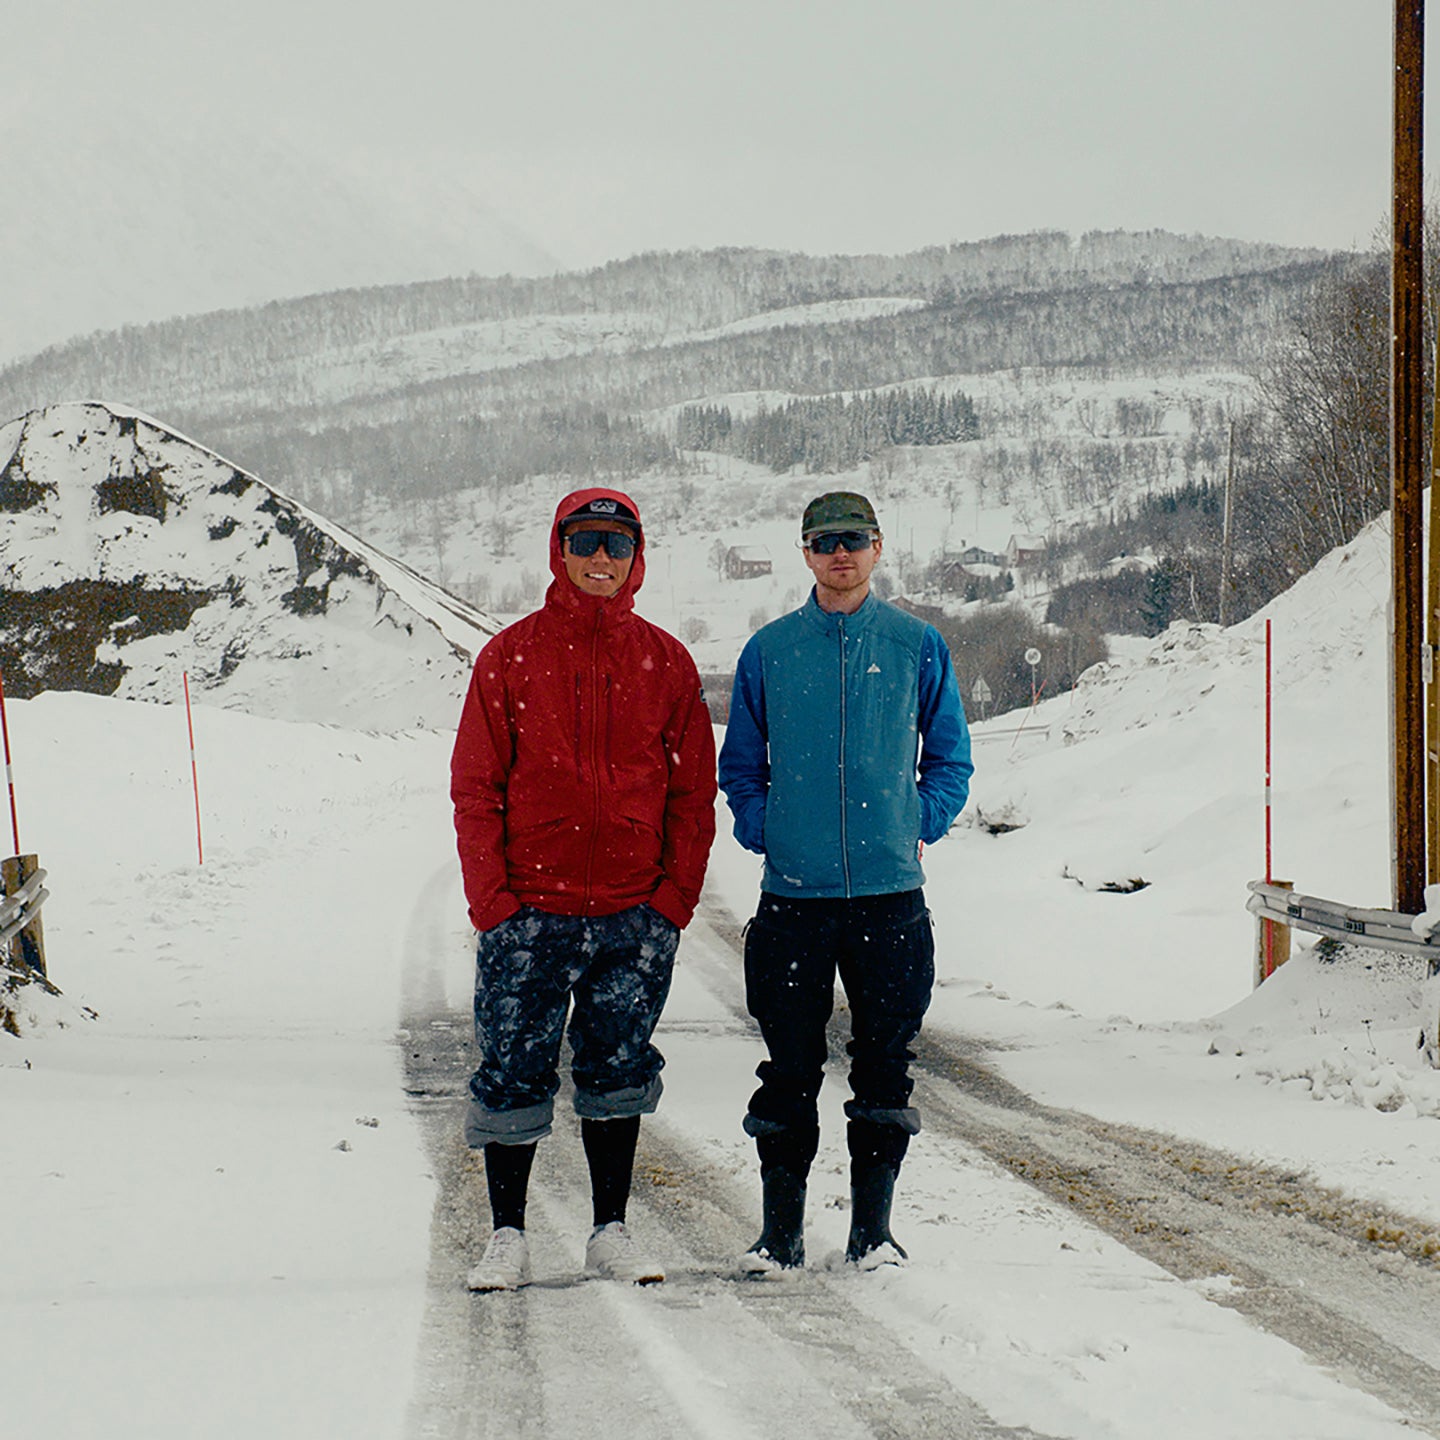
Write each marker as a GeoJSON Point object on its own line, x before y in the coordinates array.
{"type": "Point", "coordinates": [1123, 564]}
{"type": "Point", "coordinates": [974, 555]}
{"type": "Point", "coordinates": [745, 562]}
{"type": "Point", "coordinates": [1025, 550]}
{"type": "Point", "coordinates": [951, 574]}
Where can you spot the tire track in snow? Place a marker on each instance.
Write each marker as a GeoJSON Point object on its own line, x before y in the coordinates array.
{"type": "Point", "coordinates": [1302, 1268]}
{"type": "Point", "coordinates": [702, 1356]}
{"type": "Point", "coordinates": [867, 1368]}
{"type": "Point", "coordinates": [1352, 1285]}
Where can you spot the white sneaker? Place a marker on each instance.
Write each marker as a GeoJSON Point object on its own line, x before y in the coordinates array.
{"type": "Point", "coordinates": [613, 1254]}
{"type": "Point", "coordinates": [505, 1264]}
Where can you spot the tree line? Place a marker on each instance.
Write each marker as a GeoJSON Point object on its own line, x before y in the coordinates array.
{"type": "Point", "coordinates": [1308, 464]}
{"type": "Point", "coordinates": [206, 358]}
{"type": "Point", "coordinates": [830, 433]}
{"type": "Point", "coordinates": [1091, 330]}
{"type": "Point", "coordinates": [990, 643]}
{"type": "Point", "coordinates": [410, 466]}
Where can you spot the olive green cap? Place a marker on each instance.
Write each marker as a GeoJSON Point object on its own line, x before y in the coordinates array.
{"type": "Point", "coordinates": [839, 510]}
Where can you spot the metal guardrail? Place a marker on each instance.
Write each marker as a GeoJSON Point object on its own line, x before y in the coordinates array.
{"type": "Point", "coordinates": [1020, 732]}
{"type": "Point", "coordinates": [1040, 732]}
{"type": "Point", "coordinates": [1376, 929]}
{"type": "Point", "coordinates": [18, 911]}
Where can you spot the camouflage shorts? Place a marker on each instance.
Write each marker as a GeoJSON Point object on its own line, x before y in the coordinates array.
{"type": "Point", "coordinates": [529, 971]}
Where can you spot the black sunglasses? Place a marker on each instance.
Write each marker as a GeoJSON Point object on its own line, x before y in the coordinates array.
{"type": "Point", "coordinates": [852, 540]}
{"type": "Point", "coordinates": [585, 543]}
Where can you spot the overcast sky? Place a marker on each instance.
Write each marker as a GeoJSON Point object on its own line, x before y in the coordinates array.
{"type": "Point", "coordinates": [612, 126]}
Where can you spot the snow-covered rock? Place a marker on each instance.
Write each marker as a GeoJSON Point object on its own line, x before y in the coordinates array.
{"type": "Point", "coordinates": [131, 556]}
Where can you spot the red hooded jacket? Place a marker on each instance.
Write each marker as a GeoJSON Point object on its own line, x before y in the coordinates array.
{"type": "Point", "coordinates": [583, 774]}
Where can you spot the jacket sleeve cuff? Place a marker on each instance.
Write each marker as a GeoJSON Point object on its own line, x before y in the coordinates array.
{"type": "Point", "coordinates": [667, 901]}
{"type": "Point", "coordinates": [500, 909]}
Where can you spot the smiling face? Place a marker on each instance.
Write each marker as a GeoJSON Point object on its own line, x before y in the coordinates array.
{"type": "Point", "coordinates": [598, 574]}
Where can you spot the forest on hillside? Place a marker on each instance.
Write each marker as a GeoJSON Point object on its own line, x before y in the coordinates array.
{"type": "Point", "coordinates": [1306, 467]}
{"type": "Point", "coordinates": [495, 428]}
{"type": "Point", "coordinates": [197, 360]}
{"type": "Point", "coordinates": [408, 395]}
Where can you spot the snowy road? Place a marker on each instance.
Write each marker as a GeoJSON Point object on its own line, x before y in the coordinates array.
{"type": "Point", "coordinates": [838, 1354]}
{"type": "Point", "coordinates": [232, 1208]}
{"type": "Point", "coordinates": [706, 1356]}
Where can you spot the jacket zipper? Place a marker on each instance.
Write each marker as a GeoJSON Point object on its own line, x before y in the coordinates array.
{"type": "Point", "coordinates": [594, 749]}
{"type": "Point", "coordinates": [844, 838]}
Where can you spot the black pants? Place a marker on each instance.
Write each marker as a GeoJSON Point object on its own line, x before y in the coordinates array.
{"type": "Point", "coordinates": [883, 949]}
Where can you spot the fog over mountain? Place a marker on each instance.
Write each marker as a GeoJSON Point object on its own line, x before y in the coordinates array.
{"type": "Point", "coordinates": [110, 222]}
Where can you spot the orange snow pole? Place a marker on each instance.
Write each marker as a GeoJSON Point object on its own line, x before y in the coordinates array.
{"type": "Point", "coordinates": [1269, 869]}
{"type": "Point", "coordinates": [1267, 927]}
{"type": "Point", "coordinates": [9, 773]}
{"type": "Point", "coordinates": [194, 772]}
{"type": "Point", "coordinates": [1274, 947]}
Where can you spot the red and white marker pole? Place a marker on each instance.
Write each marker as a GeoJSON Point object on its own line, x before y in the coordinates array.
{"type": "Point", "coordinates": [1269, 868]}
{"type": "Point", "coordinates": [1269, 958]}
{"type": "Point", "coordinates": [9, 772]}
{"type": "Point", "coordinates": [194, 771]}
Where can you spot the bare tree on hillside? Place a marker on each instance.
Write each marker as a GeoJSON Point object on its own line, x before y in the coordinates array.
{"type": "Point", "coordinates": [1324, 462]}
{"type": "Point", "coordinates": [1326, 393]}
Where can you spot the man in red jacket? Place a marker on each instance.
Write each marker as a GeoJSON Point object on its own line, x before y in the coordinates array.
{"type": "Point", "coordinates": [584, 786]}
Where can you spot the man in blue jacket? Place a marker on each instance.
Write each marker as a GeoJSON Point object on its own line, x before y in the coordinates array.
{"type": "Point", "coordinates": [846, 751]}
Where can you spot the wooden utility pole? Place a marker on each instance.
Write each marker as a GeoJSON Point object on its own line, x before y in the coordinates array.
{"type": "Point", "coordinates": [1407, 461]}
{"type": "Point", "coordinates": [1432, 649]}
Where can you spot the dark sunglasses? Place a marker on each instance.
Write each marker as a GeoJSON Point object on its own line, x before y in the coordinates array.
{"type": "Point", "coordinates": [852, 540]}
{"type": "Point", "coordinates": [585, 543]}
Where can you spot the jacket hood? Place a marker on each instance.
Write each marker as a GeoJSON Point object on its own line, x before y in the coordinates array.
{"type": "Point", "coordinates": [562, 589]}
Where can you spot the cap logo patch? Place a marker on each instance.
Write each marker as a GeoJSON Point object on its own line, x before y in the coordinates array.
{"type": "Point", "coordinates": [604, 507]}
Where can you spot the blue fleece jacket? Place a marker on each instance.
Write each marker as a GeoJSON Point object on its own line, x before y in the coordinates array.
{"type": "Point", "coordinates": [846, 747]}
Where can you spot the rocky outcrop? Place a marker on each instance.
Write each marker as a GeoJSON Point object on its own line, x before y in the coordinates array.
{"type": "Point", "coordinates": [131, 556]}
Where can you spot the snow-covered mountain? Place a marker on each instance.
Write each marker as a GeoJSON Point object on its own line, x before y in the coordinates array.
{"type": "Point", "coordinates": [131, 555]}
{"type": "Point", "coordinates": [114, 218]}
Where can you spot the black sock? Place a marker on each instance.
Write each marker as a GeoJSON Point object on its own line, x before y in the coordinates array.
{"type": "Point", "coordinates": [507, 1173]}
{"type": "Point", "coordinates": [610, 1152]}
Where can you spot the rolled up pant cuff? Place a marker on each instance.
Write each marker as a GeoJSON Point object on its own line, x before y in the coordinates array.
{"type": "Point", "coordinates": [907, 1118]}
{"type": "Point", "coordinates": [756, 1125]}
{"type": "Point", "coordinates": [618, 1104]}
{"type": "Point", "coordinates": [507, 1127]}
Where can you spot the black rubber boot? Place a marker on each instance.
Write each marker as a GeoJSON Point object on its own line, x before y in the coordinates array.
{"type": "Point", "coordinates": [785, 1159]}
{"type": "Point", "coordinates": [875, 1155]}
{"type": "Point", "coordinates": [782, 1239]}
